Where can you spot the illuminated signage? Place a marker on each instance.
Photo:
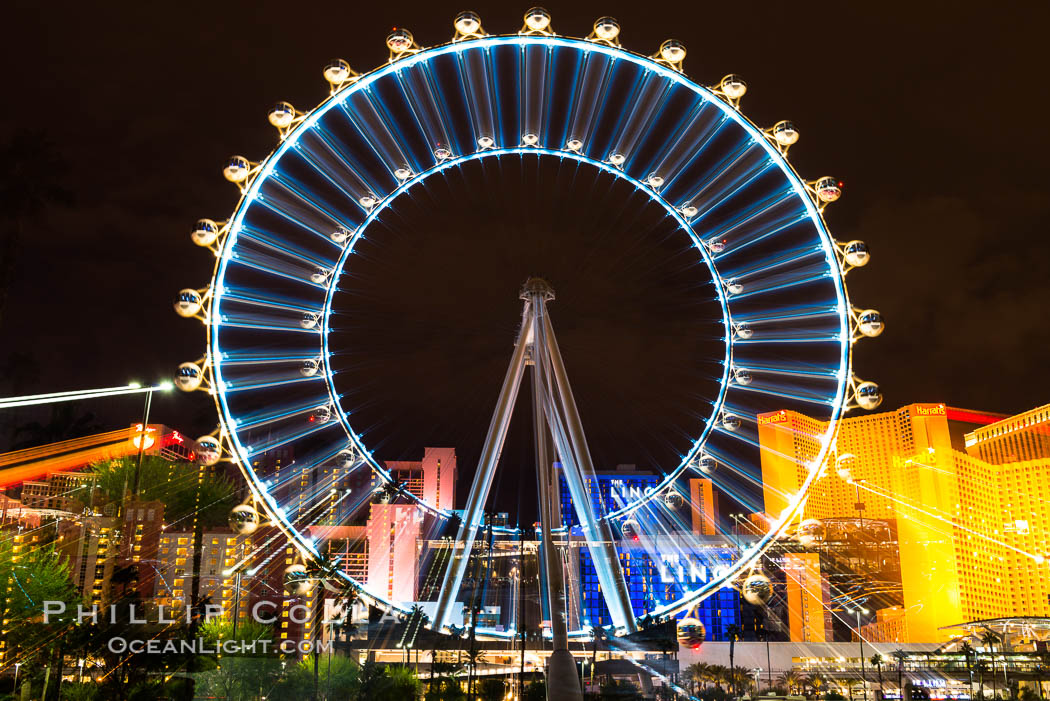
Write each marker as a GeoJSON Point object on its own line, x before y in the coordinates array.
{"type": "Point", "coordinates": [683, 569]}
{"type": "Point", "coordinates": [928, 410]}
{"type": "Point", "coordinates": [776, 418]}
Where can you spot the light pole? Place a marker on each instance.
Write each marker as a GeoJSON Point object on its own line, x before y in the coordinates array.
{"type": "Point", "coordinates": [860, 639]}
{"type": "Point", "coordinates": [143, 433]}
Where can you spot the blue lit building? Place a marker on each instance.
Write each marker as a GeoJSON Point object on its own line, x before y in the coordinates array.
{"type": "Point", "coordinates": [656, 576]}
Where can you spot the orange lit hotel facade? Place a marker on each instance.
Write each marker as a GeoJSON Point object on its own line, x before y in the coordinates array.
{"type": "Point", "coordinates": [969, 493]}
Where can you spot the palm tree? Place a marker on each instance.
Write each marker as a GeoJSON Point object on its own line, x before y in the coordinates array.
{"type": "Point", "coordinates": [967, 650]}
{"type": "Point", "coordinates": [900, 656]}
{"type": "Point", "coordinates": [791, 680]}
{"type": "Point", "coordinates": [815, 681]}
{"type": "Point", "coordinates": [733, 632]}
{"type": "Point", "coordinates": [596, 633]}
{"type": "Point", "coordinates": [990, 639]}
{"type": "Point", "coordinates": [876, 662]}
{"type": "Point", "coordinates": [851, 683]}
{"type": "Point", "coordinates": [982, 668]}
{"type": "Point", "coordinates": [697, 673]}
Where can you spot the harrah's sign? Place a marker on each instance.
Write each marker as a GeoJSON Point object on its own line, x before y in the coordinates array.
{"type": "Point", "coordinates": [775, 418]}
{"type": "Point", "coordinates": [928, 410]}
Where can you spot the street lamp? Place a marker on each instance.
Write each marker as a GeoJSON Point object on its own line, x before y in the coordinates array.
{"type": "Point", "coordinates": [143, 433]}
{"type": "Point", "coordinates": [860, 639]}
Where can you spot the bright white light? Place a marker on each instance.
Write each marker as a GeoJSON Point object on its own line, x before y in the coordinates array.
{"type": "Point", "coordinates": [54, 397]}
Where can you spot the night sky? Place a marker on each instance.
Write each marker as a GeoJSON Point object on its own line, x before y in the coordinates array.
{"type": "Point", "coordinates": [933, 118]}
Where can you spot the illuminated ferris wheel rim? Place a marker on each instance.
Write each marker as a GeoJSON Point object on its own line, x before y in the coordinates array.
{"type": "Point", "coordinates": [215, 355]}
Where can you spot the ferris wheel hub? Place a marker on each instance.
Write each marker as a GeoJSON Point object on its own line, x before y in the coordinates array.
{"type": "Point", "coordinates": [537, 287]}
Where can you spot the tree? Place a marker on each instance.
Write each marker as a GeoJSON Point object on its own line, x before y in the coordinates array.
{"type": "Point", "coordinates": [492, 690]}
{"type": "Point", "coordinates": [238, 675]}
{"type": "Point", "coordinates": [990, 639]}
{"type": "Point", "coordinates": [876, 662]}
{"type": "Point", "coordinates": [535, 691]}
{"type": "Point", "coordinates": [31, 577]}
{"type": "Point", "coordinates": [696, 674]}
{"type": "Point", "coordinates": [619, 690]}
{"type": "Point", "coordinates": [297, 683]}
{"type": "Point", "coordinates": [851, 683]}
{"type": "Point", "coordinates": [967, 650]}
{"type": "Point", "coordinates": [733, 632]}
{"type": "Point", "coordinates": [177, 484]}
{"type": "Point", "coordinates": [792, 680]}
{"type": "Point", "coordinates": [982, 669]}
{"type": "Point", "coordinates": [900, 656]}
{"type": "Point", "coordinates": [815, 681]}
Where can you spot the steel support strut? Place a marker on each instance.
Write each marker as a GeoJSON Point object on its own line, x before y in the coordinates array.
{"type": "Point", "coordinates": [554, 403]}
{"type": "Point", "coordinates": [578, 469]}
{"type": "Point", "coordinates": [552, 562]}
{"type": "Point", "coordinates": [479, 490]}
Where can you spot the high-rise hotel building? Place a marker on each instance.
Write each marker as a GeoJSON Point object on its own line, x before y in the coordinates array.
{"type": "Point", "coordinates": [972, 527]}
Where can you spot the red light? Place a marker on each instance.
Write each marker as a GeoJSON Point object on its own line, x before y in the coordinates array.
{"type": "Point", "coordinates": [311, 419]}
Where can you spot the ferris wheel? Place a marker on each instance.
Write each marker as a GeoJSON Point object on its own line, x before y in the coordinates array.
{"type": "Point", "coordinates": [758, 239]}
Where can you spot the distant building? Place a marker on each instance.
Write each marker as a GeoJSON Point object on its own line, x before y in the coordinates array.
{"type": "Point", "coordinates": [220, 551]}
{"type": "Point", "coordinates": [971, 534]}
{"type": "Point", "coordinates": [703, 506]}
{"type": "Point", "coordinates": [1014, 439]}
{"type": "Point", "coordinates": [432, 479]}
{"type": "Point", "coordinates": [141, 528]}
{"type": "Point", "coordinates": [808, 599]}
{"type": "Point", "coordinates": [393, 533]}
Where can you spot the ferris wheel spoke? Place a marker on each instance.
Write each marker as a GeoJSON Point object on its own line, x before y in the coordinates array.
{"type": "Point", "coordinates": [750, 238]}
{"type": "Point", "coordinates": [751, 215]}
{"type": "Point", "coordinates": [728, 179]}
{"type": "Point", "coordinates": [788, 313]}
{"type": "Point", "coordinates": [737, 472]}
{"type": "Point", "coordinates": [273, 266]}
{"type": "Point", "coordinates": [766, 266]}
{"type": "Point", "coordinates": [792, 337]}
{"type": "Point", "coordinates": [269, 301]}
{"type": "Point", "coordinates": [652, 93]}
{"type": "Point", "coordinates": [784, 281]}
{"type": "Point", "coordinates": [254, 421]}
{"type": "Point", "coordinates": [258, 323]}
{"type": "Point", "coordinates": [241, 358]}
{"type": "Point", "coordinates": [797, 370]}
{"type": "Point", "coordinates": [695, 136]}
{"type": "Point", "coordinates": [591, 91]}
{"type": "Point", "coordinates": [233, 386]}
{"type": "Point", "coordinates": [288, 435]}
{"type": "Point", "coordinates": [416, 91]}
{"type": "Point", "coordinates": [271, 243]}
{"type": "Point", "coordinates": [374, 124]}
{"type": "Point", "coordinates": [534, 66]}
{"type": "Point", "coordinates": [292, 195]}
{"type": "Point", "coordinates": [785, 393]}
{"type": "Point", "coordinates": [477, 85]}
